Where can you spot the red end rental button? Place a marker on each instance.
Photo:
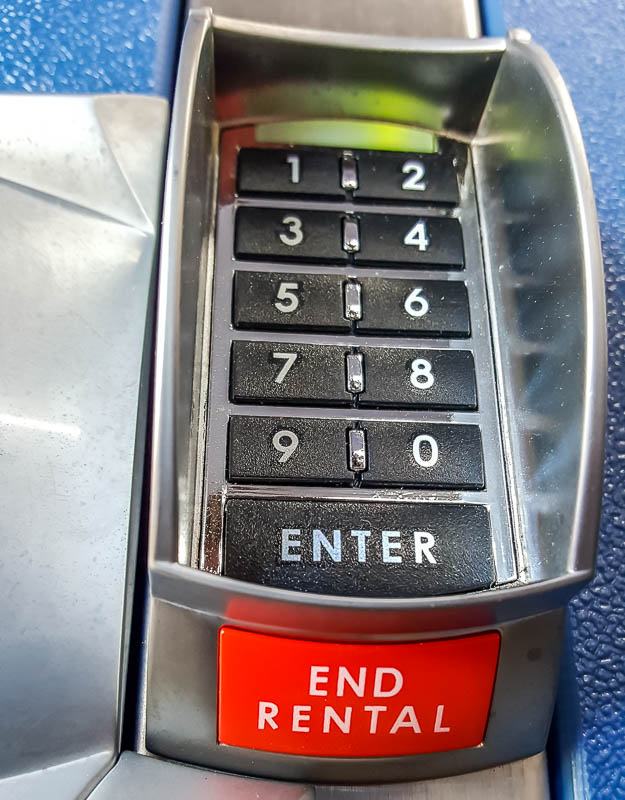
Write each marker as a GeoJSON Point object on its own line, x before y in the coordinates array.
{"type": "Point", "coordinates": [352, 700]}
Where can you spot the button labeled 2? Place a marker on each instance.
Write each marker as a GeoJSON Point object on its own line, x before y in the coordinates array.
{"type": "Point", "coordinates": [409, 177]}
{"type": "Point", "coordinates": [354, 700]}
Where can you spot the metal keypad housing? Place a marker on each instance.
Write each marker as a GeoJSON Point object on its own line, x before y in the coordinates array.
{"type": "Point", "coordinates": [255, 397]}
{"type": "Point", "coordinates": [533, 275]}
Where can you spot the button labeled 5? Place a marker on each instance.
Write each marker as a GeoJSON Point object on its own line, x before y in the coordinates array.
{"type": "Point", "coordinates": [288, 301]}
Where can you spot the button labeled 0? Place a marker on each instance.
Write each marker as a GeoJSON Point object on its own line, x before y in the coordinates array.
{"type": "Point", "coordinates": [354, 700]}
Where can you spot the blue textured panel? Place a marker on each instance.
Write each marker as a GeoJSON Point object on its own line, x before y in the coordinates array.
{"type": "Point", "coordinates": [88, 45]}
{"type": "Point", "coordinates": [585, 39]}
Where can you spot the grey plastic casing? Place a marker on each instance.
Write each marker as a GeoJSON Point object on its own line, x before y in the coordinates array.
{"type": "Point", "coordinates": [543, 285]}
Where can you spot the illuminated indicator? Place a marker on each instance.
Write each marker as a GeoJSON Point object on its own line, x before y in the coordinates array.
{"type": "Point", "coordinates": [357, 134]}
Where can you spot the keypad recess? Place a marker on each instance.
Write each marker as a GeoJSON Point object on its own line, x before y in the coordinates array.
{"type": "Point", "coordinates": [353, 444]}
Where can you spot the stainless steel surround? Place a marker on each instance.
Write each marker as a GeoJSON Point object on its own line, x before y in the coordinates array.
{"type": "Point", "coordinates": [545, 304]}
{"type": "Point", "coordinates": [80, 183]}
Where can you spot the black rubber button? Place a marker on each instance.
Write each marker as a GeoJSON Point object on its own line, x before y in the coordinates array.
{"type": "Point", "coordinates": [414, 307]}
{"type": "Point", "coordinates": [428, 454]}
{"type": "Point", "coordinates": [398, 376]}
{"type": "Point", "coordinates": [288, 172]}
{"type": "Point", "coordinates": [285, 234]}
{"type": "Point", "coordinates": [276, 372]}
{"type": "Point", "coordinates": [400, 239]}
{"type": "Point", "coordinates": [289, 301]}
{"type": "Point", "coordinates": [371, 549]}
{"type": "Point", "coordinates": [412, 178]}
{"type": "Point", "coordinates": [288, 450]}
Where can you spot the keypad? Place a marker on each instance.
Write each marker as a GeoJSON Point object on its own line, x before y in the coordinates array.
{"type": "Point", "coordinates": [347, 369]}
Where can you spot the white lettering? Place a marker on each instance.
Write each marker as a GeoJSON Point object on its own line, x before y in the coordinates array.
{"type": "Point", "coordinates": [301, 714]}
{"type": "Point", "coordinates": [342, 723]}
{"type": "Point", "coordinates": [388, 545]}
{"type": "Point", "coordinates": [380, 673]}
{"type": "Point", "coordinates": [333, 550]}
{"type": "Point", "coordinates": [375, 713]}
{"type": "Point", "coordinates": [362, 544]}
{"type": "Point", "coordinates": [288, 544]}
{"type": "Point", "coordinates": [344, 677]}
{"type": "Point", "coordinates": [438, 725]}
{"type": "Point", "coordinates": [316, 677]}
{"type": "Point", "coordinates": [423, 544]}
{"type": "Point", "coordinates": [266, 714]}
{"type": "Point", "coordinates": [406, 719]}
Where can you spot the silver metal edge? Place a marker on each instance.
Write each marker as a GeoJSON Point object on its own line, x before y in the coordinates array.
{"type": "Point", "coordinates": [588, 503]}
{"type": "Point", "coordinates": [163, 522]}
{"type": "Point", "coordinates": [484, 44]}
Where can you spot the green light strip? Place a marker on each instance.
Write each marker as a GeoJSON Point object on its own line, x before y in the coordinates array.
{"type": "Point", "coordinates": [357, 134]}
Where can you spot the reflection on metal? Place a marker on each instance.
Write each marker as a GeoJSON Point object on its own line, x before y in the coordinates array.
{"type": "Point", "coordinates": [137, 777]}
{"type": "Point", "coordinates": [453, 18]}
{"type": "Point", "coordinates": [546, 280]}
{"type": "Point", "coordinates": [80, 198]}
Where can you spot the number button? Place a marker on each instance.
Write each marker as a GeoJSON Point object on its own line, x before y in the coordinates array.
{"type": "Point", "coordinates": [418, 308]}
{"type": "Point", "coordinates": [289, 301]}
{"type": "Point", "coordinates": [286, 373]}
{"type": "Point", "coordinates": [402, 377]}
{"type": "Point", "coordinates": [400, 239]}
{"type": "Point", "coordinates": [279, 449]}
{"type": "Point", "coordinates": [412, 178]}
{"type": "Point", "coordinates": [288, 172]}
{"type": "Point", "coordinates": [279, 234]}
{"type": "Point", "coordinates": [433, 455]}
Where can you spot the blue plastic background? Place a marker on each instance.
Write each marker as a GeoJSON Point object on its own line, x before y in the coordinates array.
{"type": "Point", "coordinates": [88, 46]}
{"type": "Point", "coordinates": [130, 46]}
{"type": "Point", "coordinates": [585, 39]}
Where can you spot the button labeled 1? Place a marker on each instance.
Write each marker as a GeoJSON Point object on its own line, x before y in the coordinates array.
{"type": "Point", "coordinates": [354, 700]}
{"type": "Point", "coordinates": [288, 449]}
{"type": "Point", "coordinates": [288, 172]}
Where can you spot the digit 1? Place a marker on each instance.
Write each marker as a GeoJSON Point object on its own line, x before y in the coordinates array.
{"type": "Point", "coordinates": [293, 161]}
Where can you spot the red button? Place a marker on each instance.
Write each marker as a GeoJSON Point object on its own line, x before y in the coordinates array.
{"type": "Point", "coordinates": [352, 700]}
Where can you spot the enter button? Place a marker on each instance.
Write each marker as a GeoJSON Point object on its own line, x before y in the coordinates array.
{"type": "Point", "coordinates": [354, 700]}
{"type": "Point", "coordinates": [373, 549]}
